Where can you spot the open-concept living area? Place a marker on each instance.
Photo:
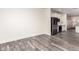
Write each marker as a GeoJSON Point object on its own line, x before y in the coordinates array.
{"type": "Point", "coordinates": [39, 29]}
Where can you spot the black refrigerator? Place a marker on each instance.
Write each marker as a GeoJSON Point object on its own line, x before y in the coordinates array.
{"type": "Point", "coordinates": [54, 25]}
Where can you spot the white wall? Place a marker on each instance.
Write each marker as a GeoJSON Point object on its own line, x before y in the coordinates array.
{"type": "Point", "coordinates": [62, 17]}
{"type": "Point", "coordinates": [69, 22]}
{"type": "Point", "coordinates": [21, 23]}
{"type": "Point", "coordinates": [47, 21]}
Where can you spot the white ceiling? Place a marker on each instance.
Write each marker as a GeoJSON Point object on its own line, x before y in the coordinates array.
{"type": "Point", "coordinates": [69, 11]}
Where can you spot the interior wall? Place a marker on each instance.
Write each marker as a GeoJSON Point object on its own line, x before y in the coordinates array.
{"type": "Point", "coordinates": [21, 23]}
{"type": "Point", "coordinates": [69, 22]}
{"type": "Point", "coordinates": [62, 17]}
{"type": "Point", "coordinates": [47, 21]}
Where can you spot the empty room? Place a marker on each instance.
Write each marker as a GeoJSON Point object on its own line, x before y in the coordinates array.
{"type": "Point", "coordinates": [39, 29]}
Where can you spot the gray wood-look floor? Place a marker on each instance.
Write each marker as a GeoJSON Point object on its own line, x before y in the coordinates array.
{"type": "Point", "coordinates": [65, 41]}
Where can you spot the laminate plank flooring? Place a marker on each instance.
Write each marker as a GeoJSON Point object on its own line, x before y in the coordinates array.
{"type": "Point", "coordinates": [36, 43]}
{"type": "Point", "coordinates": [64, 41]}
{"type": "Point", "coordinates": [70, 36]}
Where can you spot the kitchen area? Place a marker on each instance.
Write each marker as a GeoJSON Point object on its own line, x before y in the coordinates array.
{"type": "Point", "coordinates": [58, 22]}
{"type": "Point", "coordinates": [62, 20]}
{"type": "Point", "coordinates": [75, 21]}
